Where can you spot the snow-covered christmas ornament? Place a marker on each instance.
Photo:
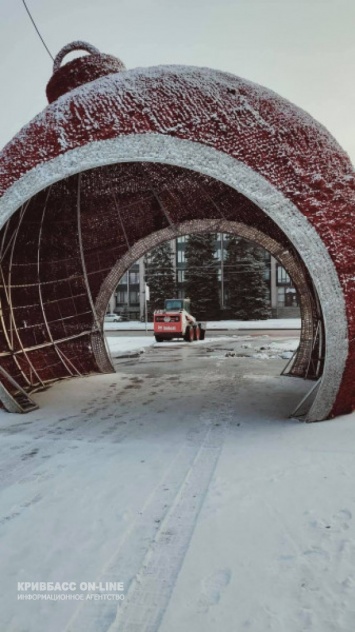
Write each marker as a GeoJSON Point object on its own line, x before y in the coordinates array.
{"type": "Point", "coordinates": [122, 160]}
{"type": "Point", "coordinates": [80, 70]}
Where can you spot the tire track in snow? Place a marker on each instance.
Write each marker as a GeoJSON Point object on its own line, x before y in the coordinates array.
{"type": "Point", "coordinates": [127, 559]}
{"type": "Point", "coordinates": [150, 591]}
{"type": "Point", "coordinates": [173, 505]}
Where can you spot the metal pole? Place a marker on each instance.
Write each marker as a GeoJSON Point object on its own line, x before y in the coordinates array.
{"type": "Point", "coordinates": [128, 291]}
{"type": "Point", "coordinates": [146, 298]}
{"type": "Point", "coordinates": [141, 288]}
{"type": "Point", "coordinates": [145, 311]}
{"type": "Point", "coordinates": [222, 272]}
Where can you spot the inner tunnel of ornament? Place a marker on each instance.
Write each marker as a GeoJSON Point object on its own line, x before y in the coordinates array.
{"type": "Point", "coordinates": [64, 251]}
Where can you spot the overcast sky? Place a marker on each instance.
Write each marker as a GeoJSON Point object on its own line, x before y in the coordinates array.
{"type": "Point", "coordinates": [302, 49]}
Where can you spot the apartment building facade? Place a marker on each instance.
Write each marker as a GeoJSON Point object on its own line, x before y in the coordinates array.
{"type": "Point", "coordinates": [129, 298]}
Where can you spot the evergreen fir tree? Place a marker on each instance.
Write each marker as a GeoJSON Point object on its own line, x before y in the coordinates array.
{"type": "Point", "coordinates": [201, 277]}
{"type": "Point", "coordinates": [247, 291]}
{"type": "Point", "coordinates": [160, 276]}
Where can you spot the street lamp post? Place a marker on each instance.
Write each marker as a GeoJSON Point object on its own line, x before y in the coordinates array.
{"type": "Point", "coordinates": [146, 298]}
{"type": "Point", "coordinates": [222, 271]}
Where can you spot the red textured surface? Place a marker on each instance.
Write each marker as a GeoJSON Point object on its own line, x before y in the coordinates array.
{"type": "Point", "coordinates": [79, 71]}
{"type": "Point", "coordinates": [236, 117]}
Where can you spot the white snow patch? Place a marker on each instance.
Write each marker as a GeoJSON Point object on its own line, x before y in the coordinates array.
{"type": "Point", "coordinates": [285, 345]}
{"type": "Point", "coordinates": [271, 323]}
{"type": "Point", "coordinates": [123, 344]}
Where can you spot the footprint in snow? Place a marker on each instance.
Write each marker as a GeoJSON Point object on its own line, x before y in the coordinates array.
{"type": "Point", "coordinates": [213, 586]}
{"type": "Point", "coordinates": [343, 518]}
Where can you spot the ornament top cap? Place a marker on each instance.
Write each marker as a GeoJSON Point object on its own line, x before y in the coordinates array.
{"type": "Point", "coordinates": [68, 48]}
{"type": "Point", "coordinates": [80, 70]}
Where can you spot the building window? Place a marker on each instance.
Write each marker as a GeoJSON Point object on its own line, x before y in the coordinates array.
{"type": "Point", "coordinates": [121, 297]}
{"type": "Point", "coordinates": [133, 277]}
{"type": "Point", "coordinates": [291, 298]}
{"type": "Point", "coordinates": [266, 273]}
{"type": "Point", "coordinates": [282, 276]}
{"type": "Point", "coordinates": [123, 280]}
{"type": "Point", "coordinates": [181, 276]}
{"type": "Point", "coordinates": [181, 256]}
{"type": "Point", "coordinates": [134, 297]}
{"type": "Point", "coordinates": [281, 296]}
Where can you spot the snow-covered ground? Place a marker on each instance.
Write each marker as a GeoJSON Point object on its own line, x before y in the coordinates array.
{"type": "Point", "coordinates": [181, 476]}
{"type": "Point", "coordinates": [128, 346]}
{"type": "Point", "coordinates": [271, 323]}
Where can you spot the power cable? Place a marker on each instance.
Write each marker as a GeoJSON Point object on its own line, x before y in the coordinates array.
{"type": "Point", "coordinates": [38, 33]}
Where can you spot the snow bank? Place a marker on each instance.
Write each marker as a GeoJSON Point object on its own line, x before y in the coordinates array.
{"type": "Point", "coordinates": [129, 344]}
{"type": "Point", "coordinates": [271, 323]}
{"type": "Point", "coordinates": [135, 345]}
